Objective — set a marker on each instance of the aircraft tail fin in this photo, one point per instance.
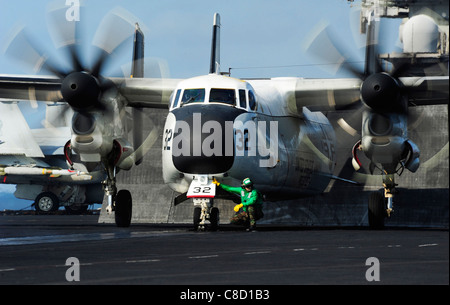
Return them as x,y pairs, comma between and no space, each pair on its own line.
137,71
137,68
215,46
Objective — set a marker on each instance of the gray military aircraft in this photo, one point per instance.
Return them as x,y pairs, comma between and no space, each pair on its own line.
219,127
34,160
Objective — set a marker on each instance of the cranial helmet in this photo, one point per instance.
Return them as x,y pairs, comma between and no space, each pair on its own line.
247,182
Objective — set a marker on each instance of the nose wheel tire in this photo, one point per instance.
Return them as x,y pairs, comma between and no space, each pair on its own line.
197,215
214,219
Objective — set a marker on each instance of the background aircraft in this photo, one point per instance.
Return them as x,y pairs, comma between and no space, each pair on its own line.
34,160
137,85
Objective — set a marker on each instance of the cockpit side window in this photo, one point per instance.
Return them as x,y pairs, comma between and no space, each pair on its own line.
242,99
226,96
193,96
251,100
177,98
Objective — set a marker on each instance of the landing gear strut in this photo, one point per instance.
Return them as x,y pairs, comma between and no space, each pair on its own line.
204,212
381,205
119,202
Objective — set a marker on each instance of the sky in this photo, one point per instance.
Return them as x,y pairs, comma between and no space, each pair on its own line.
254,33
259,38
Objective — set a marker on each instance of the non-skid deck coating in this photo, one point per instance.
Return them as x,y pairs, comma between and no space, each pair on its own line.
34,250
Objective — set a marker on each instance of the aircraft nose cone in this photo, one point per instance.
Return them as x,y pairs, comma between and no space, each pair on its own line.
203,139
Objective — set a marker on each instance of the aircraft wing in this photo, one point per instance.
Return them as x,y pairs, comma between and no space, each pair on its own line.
16,137
146,92
339,93
427,90
327,93
30,88
137,92
343,93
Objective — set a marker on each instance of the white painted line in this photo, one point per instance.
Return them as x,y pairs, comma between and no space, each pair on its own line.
428,245
29,240
203,256
303,249
143,261
258,252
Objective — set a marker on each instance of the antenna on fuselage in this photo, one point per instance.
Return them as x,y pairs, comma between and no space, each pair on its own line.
215,46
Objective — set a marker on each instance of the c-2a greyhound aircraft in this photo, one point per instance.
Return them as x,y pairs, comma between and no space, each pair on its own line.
228,129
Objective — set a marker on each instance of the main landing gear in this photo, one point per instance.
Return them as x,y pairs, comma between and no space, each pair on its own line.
46,202
381,205
120,202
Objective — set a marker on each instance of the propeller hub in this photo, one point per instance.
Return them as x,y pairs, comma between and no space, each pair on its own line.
81,90
380,91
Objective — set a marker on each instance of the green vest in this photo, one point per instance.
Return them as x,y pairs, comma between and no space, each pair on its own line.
247,198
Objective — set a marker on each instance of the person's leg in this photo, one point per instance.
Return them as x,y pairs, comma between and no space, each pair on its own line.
239,218
252,216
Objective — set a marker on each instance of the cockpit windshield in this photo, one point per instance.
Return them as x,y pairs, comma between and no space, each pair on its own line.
214,89
239,97
226,96
193,96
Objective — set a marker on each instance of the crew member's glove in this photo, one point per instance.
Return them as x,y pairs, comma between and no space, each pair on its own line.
237,207
215,182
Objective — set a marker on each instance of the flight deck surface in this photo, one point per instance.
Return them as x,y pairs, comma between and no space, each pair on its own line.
34,250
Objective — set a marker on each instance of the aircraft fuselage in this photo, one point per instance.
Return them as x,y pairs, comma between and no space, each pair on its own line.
228,129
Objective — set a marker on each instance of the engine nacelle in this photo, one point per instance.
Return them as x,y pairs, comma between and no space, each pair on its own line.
123,153
89,138
383,137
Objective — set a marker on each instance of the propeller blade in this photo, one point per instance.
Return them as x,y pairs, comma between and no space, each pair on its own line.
372,63
22,48
65,34
151,138
115,29
322,44
138,136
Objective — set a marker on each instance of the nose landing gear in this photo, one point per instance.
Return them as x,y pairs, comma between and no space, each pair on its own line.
205,213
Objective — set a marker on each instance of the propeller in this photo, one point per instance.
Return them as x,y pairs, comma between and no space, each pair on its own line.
83,85
380,89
